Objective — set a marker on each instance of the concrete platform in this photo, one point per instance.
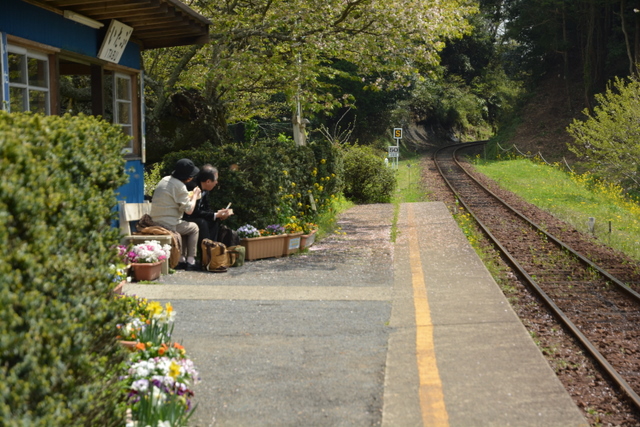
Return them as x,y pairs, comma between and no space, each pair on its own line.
489,371
361,332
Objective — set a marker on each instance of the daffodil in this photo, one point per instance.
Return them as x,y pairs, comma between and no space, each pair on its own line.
174,370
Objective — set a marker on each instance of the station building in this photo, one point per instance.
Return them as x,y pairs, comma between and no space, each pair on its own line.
84,56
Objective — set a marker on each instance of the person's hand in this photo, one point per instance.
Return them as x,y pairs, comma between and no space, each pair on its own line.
197,194
223,214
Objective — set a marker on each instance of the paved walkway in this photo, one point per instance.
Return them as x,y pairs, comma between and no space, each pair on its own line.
328,338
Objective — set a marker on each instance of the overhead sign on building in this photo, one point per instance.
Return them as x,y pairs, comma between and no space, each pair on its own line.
115,41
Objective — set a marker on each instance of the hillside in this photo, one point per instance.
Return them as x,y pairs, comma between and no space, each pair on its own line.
544,117
539,126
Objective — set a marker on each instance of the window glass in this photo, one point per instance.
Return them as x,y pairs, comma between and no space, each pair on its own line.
28,81
16,68
38,102
17,99
38,73
123,88
124,113
123,109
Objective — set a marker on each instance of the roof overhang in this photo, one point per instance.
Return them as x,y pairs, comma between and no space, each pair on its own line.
156,23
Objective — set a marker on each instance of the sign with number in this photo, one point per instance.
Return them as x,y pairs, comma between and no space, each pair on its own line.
115,41
397,133
394,151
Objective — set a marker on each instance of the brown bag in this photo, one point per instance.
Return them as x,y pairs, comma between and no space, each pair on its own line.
215,256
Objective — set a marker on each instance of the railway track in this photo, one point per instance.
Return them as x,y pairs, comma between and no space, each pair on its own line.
598,309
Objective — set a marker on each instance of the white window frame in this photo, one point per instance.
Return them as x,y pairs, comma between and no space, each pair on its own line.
47,89
127,128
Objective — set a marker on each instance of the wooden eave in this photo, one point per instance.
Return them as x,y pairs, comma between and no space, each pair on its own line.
156,23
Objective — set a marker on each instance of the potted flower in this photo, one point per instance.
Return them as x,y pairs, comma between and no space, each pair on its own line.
294,233
272,230
247,232
258,245
146,259
308,237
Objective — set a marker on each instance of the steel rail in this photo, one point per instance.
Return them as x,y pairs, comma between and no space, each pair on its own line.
564,319
633,294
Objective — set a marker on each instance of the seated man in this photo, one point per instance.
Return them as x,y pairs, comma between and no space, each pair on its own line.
171,200
207,220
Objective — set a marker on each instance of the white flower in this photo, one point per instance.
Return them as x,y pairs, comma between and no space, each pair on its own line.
140,385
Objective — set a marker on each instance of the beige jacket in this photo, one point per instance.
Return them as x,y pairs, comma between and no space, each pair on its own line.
170,201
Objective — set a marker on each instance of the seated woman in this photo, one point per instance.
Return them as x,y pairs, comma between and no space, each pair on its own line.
171,200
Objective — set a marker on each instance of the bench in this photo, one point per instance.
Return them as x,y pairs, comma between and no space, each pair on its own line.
132,212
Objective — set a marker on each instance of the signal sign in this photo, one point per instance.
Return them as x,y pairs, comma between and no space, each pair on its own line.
397,133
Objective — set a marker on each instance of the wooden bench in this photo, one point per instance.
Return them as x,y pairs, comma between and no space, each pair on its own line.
132,212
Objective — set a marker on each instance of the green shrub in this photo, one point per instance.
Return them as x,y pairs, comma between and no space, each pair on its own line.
607,140
367,178
270,180
59,359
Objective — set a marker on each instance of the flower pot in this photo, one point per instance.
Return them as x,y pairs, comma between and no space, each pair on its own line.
306,240
118,289
147,271
263,247
291,243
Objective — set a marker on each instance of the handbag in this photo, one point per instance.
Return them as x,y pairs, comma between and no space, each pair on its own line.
215,256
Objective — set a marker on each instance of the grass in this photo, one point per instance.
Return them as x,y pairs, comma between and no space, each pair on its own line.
408,187
572,198
327,221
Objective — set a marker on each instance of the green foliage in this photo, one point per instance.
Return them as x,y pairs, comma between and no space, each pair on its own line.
270,180
58,355
608,140
152,177
367,178
573,198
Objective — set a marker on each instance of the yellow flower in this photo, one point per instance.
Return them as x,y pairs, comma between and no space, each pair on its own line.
154,307
174,370
293,184
285,173
323,161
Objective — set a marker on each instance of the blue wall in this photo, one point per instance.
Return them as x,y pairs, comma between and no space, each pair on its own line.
133,191
49,28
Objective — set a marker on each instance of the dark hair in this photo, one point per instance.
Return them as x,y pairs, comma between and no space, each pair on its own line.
207,172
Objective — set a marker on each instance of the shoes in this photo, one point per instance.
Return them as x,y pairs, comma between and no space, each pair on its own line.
181,266
192,267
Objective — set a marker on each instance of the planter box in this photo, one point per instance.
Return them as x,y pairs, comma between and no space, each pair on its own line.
119,288
291,243
263,247
306,240
147,271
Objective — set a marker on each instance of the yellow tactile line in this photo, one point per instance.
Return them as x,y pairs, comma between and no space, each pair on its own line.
434,411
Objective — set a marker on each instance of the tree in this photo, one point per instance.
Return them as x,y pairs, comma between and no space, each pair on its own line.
261,48
608,138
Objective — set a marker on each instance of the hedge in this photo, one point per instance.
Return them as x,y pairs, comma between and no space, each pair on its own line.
270,180
367,178
58,355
